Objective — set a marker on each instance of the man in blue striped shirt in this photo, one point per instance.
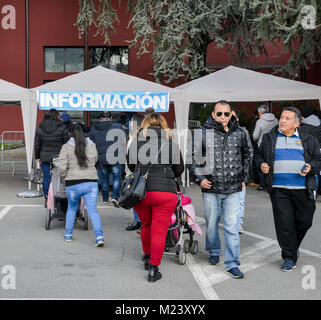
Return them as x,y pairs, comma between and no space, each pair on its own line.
290,158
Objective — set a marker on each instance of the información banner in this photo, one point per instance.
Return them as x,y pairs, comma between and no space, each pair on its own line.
100,101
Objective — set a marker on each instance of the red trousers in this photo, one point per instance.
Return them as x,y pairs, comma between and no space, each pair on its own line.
154,213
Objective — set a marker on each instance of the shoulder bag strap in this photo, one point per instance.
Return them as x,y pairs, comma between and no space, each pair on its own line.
146,174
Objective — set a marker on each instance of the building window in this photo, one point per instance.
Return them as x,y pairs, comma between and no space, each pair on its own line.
64,59
115,58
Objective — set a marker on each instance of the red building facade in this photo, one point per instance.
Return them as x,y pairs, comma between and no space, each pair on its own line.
49,28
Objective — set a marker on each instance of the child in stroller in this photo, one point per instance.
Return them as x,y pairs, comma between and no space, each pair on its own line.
57,202
182,222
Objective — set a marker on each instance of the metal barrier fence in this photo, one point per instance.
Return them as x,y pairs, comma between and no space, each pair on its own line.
13,149
194,124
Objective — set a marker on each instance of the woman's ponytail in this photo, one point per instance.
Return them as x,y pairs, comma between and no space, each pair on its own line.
79,134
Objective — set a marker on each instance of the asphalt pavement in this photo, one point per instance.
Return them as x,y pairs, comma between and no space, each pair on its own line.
46,267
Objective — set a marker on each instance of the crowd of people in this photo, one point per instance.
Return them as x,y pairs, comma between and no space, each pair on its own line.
285,154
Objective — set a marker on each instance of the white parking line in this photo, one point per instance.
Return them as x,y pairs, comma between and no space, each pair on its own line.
4,211
257,236
21,205
41,206
201,279
265,252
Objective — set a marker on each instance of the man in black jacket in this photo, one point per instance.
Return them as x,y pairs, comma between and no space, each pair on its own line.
290,158
110,140
222,175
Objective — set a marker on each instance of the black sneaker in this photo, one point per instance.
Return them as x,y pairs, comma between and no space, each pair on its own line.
153,273
146,259
134,226
214,260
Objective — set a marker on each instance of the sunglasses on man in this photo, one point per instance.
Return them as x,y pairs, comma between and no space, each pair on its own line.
226,114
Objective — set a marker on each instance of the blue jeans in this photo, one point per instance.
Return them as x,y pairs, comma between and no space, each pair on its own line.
242,203
46,177
136,217
89,192
227,205
103,174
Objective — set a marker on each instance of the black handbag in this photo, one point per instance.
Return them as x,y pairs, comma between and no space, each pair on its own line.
133,188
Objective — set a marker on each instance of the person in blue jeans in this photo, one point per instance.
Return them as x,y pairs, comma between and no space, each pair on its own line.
227,206
104,170
220,165
76,164
110,138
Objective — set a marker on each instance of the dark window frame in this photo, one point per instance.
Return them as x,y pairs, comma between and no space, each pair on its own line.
62,47
109,55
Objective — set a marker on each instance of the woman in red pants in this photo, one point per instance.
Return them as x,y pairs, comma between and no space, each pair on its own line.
155,150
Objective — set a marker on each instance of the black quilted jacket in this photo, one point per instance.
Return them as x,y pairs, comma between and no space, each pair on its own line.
50,136
165,169
222,157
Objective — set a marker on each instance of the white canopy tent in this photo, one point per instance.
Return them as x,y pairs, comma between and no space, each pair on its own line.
11,92
237,84
100,79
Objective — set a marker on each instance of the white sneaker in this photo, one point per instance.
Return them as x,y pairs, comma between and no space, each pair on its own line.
68,237
241,230
99,242
115,203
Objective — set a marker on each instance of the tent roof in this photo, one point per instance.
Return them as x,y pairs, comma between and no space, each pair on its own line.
101,79
238,84
12,92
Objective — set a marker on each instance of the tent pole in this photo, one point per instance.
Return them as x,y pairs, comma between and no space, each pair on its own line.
86,67
27,43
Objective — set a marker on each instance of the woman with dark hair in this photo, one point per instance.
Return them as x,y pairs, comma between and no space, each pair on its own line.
76,164
50,136
156,150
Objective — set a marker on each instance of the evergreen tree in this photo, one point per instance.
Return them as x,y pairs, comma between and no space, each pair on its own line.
178,32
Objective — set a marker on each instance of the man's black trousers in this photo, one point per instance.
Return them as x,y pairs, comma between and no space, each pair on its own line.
293,214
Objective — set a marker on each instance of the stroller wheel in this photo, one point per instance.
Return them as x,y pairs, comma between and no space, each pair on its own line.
182,256
47,218
194,248
186,246
85,220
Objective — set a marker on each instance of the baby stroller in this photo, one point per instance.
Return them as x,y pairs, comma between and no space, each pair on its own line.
178,227
57,202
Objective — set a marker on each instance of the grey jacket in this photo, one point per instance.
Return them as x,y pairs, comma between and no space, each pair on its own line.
312,120
264,125
67,163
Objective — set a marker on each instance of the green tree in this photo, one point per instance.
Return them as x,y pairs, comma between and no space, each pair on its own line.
102,17
178,32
